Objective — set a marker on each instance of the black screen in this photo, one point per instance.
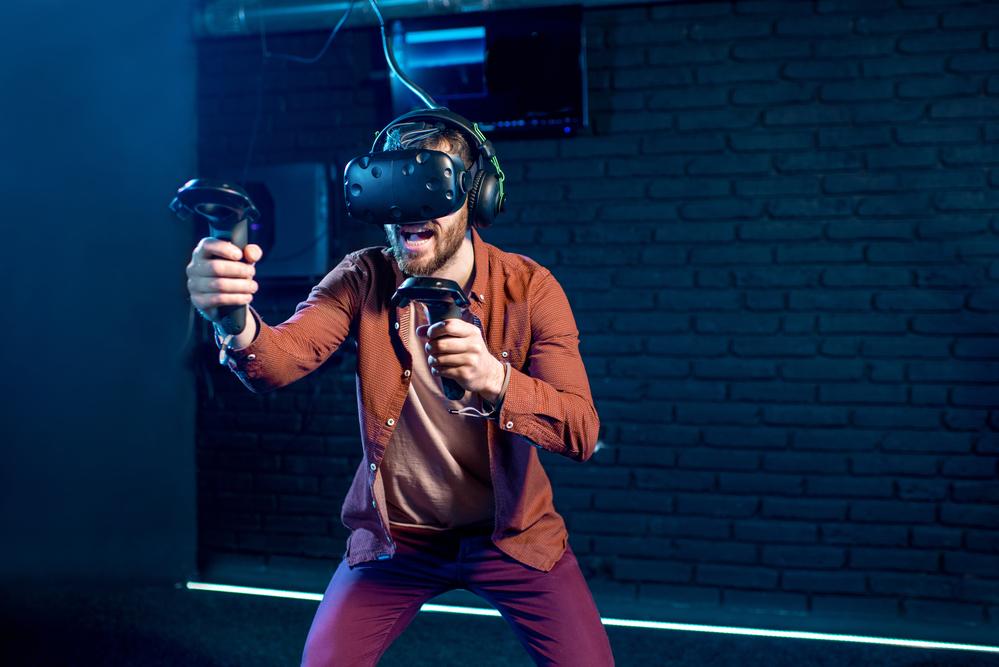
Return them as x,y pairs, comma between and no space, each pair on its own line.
516,72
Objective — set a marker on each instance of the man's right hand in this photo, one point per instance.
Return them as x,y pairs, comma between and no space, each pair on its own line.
220,274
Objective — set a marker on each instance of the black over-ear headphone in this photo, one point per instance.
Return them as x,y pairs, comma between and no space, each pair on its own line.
486,193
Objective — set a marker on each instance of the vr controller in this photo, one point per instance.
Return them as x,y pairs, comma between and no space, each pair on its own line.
444,300
228,212
381,187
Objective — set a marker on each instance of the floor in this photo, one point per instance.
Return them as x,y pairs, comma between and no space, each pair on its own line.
150,625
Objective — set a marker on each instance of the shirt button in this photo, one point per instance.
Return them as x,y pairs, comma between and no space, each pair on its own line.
407,373
397,326
391,422
373,466
482,297
508,425
374,504
504,354
251,357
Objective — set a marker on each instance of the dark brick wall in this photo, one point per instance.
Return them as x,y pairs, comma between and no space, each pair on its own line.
780,242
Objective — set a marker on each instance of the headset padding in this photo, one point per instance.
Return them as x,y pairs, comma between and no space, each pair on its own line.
487,199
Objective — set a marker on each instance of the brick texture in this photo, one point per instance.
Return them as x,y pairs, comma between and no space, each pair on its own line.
781,239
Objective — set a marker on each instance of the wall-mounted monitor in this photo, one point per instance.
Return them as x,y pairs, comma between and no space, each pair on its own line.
516,73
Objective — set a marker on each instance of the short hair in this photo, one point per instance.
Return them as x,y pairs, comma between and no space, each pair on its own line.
424,135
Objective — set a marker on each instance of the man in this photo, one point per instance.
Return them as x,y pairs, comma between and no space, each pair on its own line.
450,493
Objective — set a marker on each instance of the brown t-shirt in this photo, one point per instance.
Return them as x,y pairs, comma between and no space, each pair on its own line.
436,465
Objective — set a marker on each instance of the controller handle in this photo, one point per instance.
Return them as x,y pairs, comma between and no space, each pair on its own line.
228,212
438,311
444,300
232,319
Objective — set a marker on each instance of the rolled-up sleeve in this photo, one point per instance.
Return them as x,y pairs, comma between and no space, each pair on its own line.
551,404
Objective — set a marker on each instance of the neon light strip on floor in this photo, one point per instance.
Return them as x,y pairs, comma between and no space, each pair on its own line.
626,623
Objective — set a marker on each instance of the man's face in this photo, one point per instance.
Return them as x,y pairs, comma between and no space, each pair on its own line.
423,248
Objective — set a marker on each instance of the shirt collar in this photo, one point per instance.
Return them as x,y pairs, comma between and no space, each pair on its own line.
480,269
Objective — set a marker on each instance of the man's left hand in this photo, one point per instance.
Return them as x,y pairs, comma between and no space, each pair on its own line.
456,351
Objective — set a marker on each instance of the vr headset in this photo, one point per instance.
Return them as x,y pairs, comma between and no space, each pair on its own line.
415,184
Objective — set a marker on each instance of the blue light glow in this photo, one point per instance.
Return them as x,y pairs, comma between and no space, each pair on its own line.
448,35
627,623
444,48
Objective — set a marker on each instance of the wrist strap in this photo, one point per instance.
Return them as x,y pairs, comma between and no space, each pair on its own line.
222,339
469,411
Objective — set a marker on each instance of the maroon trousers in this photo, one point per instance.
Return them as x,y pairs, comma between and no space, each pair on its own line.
366,607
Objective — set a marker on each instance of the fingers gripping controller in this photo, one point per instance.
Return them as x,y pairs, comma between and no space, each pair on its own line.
444,300
228,212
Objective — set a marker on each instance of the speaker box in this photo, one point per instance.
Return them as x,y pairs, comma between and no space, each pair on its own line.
294,224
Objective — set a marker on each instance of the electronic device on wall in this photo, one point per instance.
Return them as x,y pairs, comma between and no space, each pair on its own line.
294,229
516,73
519,72
290,218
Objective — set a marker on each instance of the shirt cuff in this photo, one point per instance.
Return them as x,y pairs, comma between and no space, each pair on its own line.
489,411
228,356
495,410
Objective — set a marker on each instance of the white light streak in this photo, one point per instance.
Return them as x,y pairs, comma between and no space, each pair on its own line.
628,623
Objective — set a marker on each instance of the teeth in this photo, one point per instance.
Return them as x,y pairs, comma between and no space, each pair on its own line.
412,230
410,233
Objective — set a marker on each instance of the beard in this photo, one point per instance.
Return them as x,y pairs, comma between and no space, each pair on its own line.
446,242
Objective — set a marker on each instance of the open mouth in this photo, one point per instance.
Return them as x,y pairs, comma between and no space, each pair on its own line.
415,237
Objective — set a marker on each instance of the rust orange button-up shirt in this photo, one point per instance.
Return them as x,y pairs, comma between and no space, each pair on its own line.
525,319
